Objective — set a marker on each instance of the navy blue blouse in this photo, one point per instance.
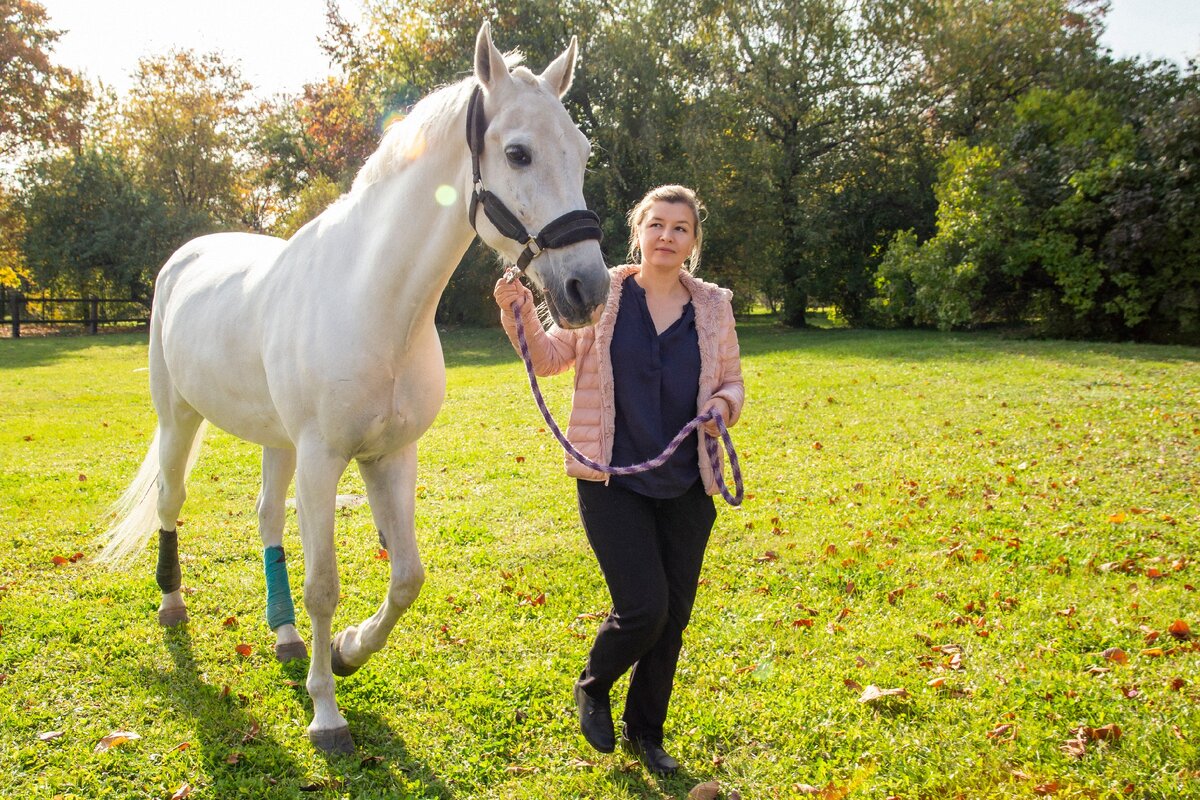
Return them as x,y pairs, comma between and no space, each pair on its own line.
655,381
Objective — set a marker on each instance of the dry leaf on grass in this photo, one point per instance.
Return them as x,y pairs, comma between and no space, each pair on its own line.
183,791
1116,654
114,739
873,694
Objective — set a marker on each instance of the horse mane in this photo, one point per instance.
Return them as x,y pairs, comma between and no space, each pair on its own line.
430,120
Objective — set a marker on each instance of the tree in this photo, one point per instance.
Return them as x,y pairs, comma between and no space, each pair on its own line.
184,124
13,272
36,96
90,228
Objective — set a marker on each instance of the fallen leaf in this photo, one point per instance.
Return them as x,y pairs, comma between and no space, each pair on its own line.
253,732
520,459
1105,733
382,554
1000,730
233,757
1116,654
805,788
180,747
1076,748
230,622
114,739
705,791
1046,788
802,623
853,684
1117,518
244,649
1180,630
49,736
873,694
182,792
1154,652
936,683
371,761
60,560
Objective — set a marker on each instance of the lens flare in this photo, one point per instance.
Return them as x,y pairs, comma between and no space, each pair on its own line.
446,195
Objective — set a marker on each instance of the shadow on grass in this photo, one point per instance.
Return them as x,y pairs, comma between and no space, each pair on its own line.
761,334
224,726
40,351
637,781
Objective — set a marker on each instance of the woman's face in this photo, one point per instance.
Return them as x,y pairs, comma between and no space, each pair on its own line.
667,234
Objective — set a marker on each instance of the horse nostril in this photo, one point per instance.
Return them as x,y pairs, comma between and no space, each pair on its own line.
574,292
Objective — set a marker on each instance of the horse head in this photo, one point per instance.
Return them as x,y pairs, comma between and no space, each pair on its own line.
531,157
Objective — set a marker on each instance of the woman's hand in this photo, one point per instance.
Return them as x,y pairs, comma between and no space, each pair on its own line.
723,409
507,293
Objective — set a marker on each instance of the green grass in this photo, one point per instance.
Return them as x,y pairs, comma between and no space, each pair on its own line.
1027,505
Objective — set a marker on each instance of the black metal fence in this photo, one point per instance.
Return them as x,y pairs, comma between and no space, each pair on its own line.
90,312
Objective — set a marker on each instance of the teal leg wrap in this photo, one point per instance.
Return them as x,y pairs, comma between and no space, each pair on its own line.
280,610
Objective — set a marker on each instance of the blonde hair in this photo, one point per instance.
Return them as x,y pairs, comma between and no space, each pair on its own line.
671,193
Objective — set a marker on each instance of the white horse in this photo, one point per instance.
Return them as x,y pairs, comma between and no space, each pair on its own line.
322,348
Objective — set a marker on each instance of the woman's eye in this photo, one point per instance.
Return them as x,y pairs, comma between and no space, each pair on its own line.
518,155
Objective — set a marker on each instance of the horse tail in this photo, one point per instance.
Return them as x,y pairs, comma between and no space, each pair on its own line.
135,514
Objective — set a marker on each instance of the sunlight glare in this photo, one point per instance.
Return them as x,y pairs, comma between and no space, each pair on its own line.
446,195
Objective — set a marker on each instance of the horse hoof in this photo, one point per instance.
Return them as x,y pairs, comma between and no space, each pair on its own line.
170,617
337,740
336,664
290,652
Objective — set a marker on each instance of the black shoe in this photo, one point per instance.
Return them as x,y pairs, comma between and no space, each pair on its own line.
595,720
651,754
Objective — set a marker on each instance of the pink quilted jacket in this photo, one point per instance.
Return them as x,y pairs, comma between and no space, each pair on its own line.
593,409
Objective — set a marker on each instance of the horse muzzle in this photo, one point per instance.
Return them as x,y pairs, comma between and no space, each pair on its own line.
574,281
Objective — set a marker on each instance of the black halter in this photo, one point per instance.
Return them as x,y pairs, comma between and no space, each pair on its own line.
571,227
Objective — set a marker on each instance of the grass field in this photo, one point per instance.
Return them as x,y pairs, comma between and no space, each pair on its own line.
976,521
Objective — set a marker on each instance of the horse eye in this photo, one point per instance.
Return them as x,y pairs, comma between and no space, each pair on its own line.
518,155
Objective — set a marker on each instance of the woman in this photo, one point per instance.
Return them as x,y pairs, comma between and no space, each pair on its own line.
664,349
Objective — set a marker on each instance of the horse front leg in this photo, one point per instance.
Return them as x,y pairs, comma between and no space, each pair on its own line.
317,474
278,466
391,489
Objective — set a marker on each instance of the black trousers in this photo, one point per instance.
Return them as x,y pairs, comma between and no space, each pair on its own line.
650,552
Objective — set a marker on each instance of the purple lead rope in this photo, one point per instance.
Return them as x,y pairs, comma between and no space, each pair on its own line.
710,444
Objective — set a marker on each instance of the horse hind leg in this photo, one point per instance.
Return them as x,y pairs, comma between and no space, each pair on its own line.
391,485
178,443
278,466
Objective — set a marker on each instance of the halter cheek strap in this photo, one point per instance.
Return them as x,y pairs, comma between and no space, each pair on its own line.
573,226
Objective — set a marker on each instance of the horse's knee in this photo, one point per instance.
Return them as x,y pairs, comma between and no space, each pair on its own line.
270,518
405,584
321,593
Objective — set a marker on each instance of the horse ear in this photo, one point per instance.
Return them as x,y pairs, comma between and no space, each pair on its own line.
489,62
561,71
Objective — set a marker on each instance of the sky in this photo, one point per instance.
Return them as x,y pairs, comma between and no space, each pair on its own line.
275,41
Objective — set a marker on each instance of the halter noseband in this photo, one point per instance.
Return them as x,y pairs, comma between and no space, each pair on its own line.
571,227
